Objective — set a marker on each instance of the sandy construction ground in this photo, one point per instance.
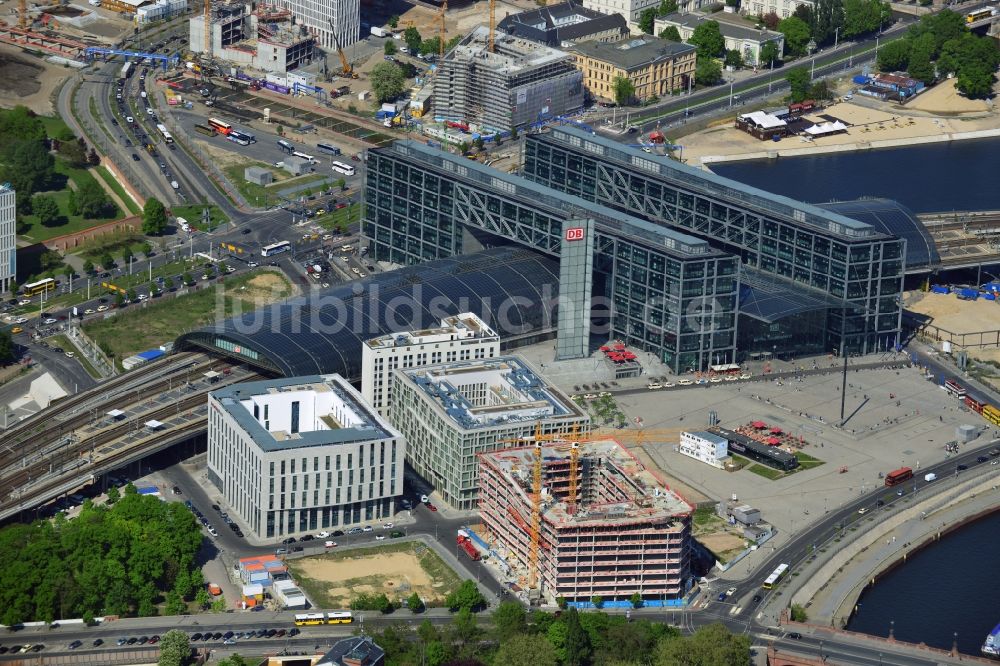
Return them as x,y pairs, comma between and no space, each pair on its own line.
952,314
27,80
398,574
869,120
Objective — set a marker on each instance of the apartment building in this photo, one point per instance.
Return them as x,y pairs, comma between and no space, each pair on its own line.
463,337
451,412
295,455
608,527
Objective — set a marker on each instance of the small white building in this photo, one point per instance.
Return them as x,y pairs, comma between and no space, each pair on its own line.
297,455
707,447
464,337
288,594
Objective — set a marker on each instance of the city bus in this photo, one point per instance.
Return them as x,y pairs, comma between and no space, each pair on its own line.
166,135
339,617
220,126
340,167
40,287
954,388
978,14
238,138
244,136
327,148
307,158
308,619
896,477
204,129
286,146
275,248
775,576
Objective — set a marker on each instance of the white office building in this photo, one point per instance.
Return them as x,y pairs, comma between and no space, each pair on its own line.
464,337
707,447
297,455
630,9
8,236
322,17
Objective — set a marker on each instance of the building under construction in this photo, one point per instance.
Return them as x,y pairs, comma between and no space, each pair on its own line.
262,37
515,83
585,519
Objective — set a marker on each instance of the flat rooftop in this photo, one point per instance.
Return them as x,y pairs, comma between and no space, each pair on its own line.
490,393
330,411
510,54
649,497
459,327
795,212
556,203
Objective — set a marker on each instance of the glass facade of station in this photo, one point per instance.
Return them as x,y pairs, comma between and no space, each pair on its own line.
660,290
854,271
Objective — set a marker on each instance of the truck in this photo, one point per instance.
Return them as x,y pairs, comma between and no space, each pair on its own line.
379,32
465,543
930,477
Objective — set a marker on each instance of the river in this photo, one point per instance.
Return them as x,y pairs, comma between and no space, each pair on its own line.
958,175
950,586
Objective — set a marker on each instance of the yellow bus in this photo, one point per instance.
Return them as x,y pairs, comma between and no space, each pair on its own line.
40,287
339,617
308,619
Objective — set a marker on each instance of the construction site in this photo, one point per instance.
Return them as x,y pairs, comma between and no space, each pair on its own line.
495,82
582,518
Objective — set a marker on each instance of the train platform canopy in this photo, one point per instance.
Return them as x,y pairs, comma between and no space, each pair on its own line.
512,289
153,424
115,414
891,217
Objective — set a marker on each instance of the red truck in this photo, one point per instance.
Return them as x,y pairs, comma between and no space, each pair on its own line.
466,544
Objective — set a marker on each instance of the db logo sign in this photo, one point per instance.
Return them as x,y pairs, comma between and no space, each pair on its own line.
574,234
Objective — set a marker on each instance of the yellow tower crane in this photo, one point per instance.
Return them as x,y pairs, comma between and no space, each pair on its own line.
22,14
493,21
536,518
442,31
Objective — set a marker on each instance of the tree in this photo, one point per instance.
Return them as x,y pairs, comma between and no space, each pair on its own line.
21,123
799,613
920,66
513,134
279,130
768,54
236,660
127,256
119,299
219,605
393,21
820,90
186,279
93,159
636,600
975,82
709,40
734,59
46,210
154,217
478,143
707,72
131,295
389,47
6,346
597,600
671,33
88,266
387,81
430,46
415,603
412,38
526,650
33,162
113,494
464,629
74,152
709,646
827,16
798,83
771,19
667,7
175,604
576,649
146,248
175,648
623,89
93,202
466,595
646,20
944,26
861,16
463,147
509,619
796,34
894,56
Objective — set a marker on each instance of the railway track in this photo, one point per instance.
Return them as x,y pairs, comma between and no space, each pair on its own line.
45,432
29,485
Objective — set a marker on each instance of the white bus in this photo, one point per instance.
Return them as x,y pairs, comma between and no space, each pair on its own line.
340,167
166,135
308,158
775,576
275,248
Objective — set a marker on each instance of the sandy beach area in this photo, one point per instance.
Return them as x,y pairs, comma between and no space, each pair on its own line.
940,113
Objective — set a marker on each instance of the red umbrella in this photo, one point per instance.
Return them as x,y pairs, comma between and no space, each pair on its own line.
775,431
605,348
619,346
773,441
759,425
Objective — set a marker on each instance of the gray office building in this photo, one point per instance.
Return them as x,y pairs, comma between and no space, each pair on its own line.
620,277
809,272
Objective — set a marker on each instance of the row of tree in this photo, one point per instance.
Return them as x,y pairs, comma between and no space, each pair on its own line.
941,44
122,559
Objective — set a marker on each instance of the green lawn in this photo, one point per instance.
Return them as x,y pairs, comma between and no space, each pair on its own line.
340,219
137,327
64,342
53,125
766,472
268,194
106,176
193,214
100,120
67,223
806,461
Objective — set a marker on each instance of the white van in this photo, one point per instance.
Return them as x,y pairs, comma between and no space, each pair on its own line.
183,224
174,184
930,477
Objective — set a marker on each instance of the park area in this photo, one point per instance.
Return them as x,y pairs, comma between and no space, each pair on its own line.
136,328
398,570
